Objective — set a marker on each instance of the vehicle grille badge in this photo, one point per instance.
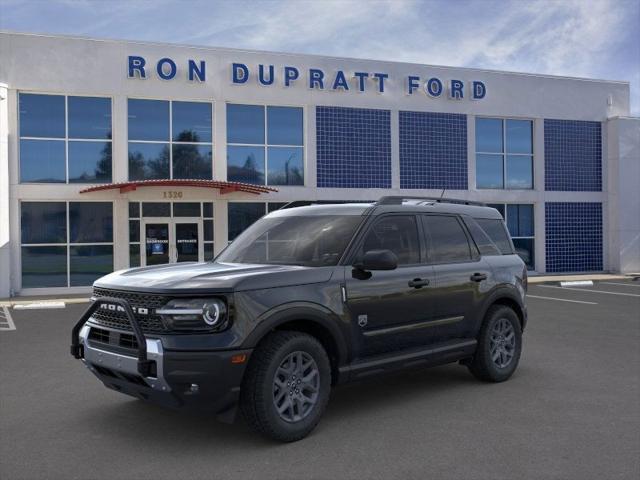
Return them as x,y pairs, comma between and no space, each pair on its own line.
362,320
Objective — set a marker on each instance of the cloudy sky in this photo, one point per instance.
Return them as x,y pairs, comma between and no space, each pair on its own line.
583,38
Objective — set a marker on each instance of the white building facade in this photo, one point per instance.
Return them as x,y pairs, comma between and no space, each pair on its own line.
116,154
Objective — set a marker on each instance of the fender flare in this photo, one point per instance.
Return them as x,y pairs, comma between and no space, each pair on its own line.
504,291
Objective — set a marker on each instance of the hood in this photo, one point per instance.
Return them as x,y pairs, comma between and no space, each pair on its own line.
208,277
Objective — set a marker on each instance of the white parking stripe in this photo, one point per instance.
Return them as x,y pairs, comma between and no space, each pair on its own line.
622,284
6,322
590,290
561,299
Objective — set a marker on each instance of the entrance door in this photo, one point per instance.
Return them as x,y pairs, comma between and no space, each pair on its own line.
156,242
188,243
170,240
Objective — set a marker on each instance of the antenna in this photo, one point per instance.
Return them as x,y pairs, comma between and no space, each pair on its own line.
441,195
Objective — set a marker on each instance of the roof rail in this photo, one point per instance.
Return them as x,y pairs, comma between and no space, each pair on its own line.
305,203
397,200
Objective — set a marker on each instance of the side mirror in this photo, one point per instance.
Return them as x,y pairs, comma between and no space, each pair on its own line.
378,260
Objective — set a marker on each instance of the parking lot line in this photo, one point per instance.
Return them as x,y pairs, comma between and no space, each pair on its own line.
6,322
622,284
590,290
561,299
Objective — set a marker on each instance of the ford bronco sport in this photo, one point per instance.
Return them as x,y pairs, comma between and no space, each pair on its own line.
310,297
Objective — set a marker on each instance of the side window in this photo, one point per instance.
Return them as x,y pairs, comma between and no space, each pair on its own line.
496,231
484,243
398,234
448,241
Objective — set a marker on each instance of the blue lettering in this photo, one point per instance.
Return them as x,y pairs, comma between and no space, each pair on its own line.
290,74
412,84
316,77
433,87
479,90
261,79
161,71
340,81
380,77
362,77
136,64
196,72
237,76
455,90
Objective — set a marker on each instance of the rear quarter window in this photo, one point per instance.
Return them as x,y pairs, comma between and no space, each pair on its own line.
497,232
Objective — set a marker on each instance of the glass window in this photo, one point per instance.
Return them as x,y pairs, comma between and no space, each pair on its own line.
489,171
134,210
148,161
242,215
207,209
88,263
208,252
89,162
192,161
208,230
499,207
42,115
191,122
90,222
148,120
284,126
245,124
190,209
447,240
497,233
520,220
489,135
245,164
398,233
285,166
44,267
89,117
519,136
134,255
134,230
156,209
44,222
481,239
519,172
42,161
524,248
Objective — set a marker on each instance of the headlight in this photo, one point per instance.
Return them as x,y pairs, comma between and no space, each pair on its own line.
205,314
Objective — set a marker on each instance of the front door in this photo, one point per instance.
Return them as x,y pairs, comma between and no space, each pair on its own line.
170,240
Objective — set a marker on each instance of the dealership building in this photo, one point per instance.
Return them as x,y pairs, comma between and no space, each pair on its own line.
115,154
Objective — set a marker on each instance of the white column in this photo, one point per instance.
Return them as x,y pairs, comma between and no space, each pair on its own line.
5,243
538,185
220,225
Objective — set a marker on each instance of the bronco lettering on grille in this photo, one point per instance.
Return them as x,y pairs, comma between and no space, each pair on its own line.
118,308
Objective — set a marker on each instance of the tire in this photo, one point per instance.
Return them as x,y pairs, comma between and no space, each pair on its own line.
271,382
499,345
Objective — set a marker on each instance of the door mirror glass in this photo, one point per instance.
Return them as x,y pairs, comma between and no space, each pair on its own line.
378,260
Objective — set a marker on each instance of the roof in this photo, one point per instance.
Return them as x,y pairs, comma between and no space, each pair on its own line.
223,187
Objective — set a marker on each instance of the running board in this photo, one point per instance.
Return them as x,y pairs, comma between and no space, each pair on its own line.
436,355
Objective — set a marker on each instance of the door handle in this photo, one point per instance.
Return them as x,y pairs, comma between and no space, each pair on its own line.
419,282
478,277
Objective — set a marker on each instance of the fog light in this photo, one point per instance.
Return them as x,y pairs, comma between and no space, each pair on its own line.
194,388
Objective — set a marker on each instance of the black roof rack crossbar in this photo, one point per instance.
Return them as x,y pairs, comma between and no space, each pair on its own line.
305,203
397,200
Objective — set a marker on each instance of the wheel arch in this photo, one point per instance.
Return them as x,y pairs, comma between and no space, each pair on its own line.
509,298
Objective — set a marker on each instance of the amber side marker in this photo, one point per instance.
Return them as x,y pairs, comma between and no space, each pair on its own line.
241,358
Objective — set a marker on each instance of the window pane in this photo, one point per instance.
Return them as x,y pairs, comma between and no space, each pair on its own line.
520,220
284,126
134,255
207,210
44,267
398,234
489,171
208,230
482,240
245,124
90,222
41,115
148,120
489,135
497,206
186,209
208,252
524,248
447,240
89,117
44,222
519,171
191,121
285,166
89,162
156,209
245,164
148,161
497,233
88,263
134,230
242,215
134,210
42,161
192,161
519,136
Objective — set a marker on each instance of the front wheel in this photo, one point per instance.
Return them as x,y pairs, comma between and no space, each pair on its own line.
499,345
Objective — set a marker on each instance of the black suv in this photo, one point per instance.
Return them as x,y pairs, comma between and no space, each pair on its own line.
307,298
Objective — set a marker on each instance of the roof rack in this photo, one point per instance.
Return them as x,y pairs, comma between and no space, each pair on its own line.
305,203
397,200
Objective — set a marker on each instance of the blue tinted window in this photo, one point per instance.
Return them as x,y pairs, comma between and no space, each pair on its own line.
520,220
208,230
489,171
245,124
207,210
191,122
497,206
245,164
284,126
43,222
192,161
90,222
89,117
285,166
525,249
148,161
242,215
44,267
134,230
89,162
42,161
90,262
41,115
489,135
148,120
519,136
134,255
519,171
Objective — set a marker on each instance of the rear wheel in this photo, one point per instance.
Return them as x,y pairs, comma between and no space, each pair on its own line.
499,345
287,385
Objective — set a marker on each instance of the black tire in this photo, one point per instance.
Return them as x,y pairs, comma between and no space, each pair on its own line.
258,393
484,365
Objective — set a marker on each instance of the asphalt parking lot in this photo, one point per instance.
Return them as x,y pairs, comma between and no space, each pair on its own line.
572,411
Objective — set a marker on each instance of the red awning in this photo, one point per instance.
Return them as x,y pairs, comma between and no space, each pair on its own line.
224,187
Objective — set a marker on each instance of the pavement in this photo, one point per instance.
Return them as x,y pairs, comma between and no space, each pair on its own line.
571,411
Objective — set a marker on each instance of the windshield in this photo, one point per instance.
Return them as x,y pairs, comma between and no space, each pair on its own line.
312,241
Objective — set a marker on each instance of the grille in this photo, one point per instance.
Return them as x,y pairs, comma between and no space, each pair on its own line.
114,319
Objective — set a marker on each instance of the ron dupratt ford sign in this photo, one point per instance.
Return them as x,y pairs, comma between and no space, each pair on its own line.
314,78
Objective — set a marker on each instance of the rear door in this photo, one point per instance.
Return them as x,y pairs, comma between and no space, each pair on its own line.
461,275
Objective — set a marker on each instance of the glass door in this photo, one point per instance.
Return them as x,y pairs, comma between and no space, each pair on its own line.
157,242
171,240
188,240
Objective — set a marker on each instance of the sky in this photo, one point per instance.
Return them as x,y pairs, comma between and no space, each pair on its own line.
579,38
